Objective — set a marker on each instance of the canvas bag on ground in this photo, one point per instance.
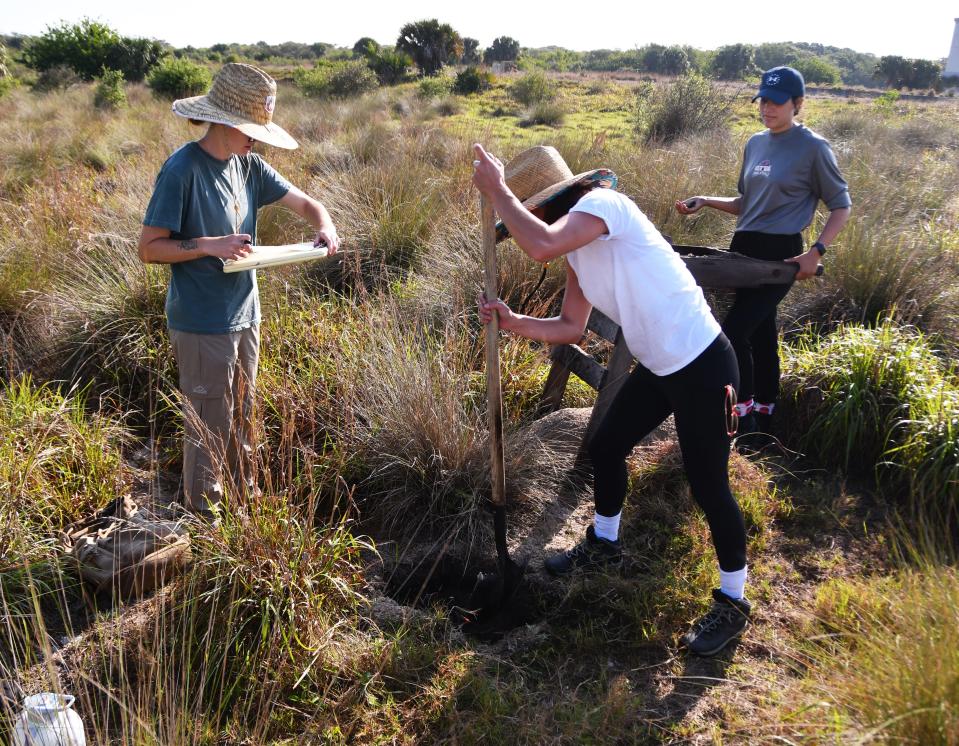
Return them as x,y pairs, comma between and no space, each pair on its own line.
127,551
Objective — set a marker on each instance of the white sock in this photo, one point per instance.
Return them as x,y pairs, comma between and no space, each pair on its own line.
607,527
744,407
733,584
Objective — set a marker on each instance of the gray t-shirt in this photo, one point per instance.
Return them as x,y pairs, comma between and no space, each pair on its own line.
783,177
194,197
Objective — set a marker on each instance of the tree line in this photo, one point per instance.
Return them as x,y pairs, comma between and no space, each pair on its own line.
425,47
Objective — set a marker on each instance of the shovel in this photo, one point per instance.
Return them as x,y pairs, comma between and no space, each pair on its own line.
495,593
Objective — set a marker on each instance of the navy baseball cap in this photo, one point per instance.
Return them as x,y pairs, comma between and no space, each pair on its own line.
781,84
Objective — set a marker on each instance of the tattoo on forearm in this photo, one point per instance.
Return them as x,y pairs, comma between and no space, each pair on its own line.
187,245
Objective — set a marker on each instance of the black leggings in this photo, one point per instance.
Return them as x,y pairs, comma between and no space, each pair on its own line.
750,324
696,396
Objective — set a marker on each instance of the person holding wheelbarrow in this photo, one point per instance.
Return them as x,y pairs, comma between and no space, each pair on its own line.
786,170
203,212
617,261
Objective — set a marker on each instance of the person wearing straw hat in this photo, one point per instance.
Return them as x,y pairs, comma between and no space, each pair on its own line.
786,170
203,211
618,262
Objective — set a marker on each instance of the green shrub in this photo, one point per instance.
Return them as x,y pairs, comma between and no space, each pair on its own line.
532,88
351,78
435,87
109,93
7,84
391,66
816,70
473,80
886,102
179,78
690,105
88,47
336,80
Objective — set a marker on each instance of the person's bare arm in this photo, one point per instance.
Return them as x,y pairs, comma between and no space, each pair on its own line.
156,246
809,262
315,214
692,205
567,328
538,240
834,223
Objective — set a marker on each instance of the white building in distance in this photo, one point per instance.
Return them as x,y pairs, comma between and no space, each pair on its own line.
952,64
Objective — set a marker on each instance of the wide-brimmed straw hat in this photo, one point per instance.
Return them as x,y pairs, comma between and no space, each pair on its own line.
539,175
242,97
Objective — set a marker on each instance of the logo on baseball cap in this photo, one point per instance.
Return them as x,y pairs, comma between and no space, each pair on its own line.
781,84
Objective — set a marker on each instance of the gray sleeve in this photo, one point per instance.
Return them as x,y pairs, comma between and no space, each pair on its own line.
828,183
741,184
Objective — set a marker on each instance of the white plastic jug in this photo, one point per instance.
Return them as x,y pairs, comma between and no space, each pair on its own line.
47,720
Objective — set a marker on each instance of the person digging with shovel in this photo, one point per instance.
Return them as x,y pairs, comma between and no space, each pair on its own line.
618,262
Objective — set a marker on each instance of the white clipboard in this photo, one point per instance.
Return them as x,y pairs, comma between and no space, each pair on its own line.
275,256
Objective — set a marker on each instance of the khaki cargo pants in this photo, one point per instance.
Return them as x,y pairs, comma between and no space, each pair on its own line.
217,378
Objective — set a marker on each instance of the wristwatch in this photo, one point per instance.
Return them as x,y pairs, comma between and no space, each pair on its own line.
820,247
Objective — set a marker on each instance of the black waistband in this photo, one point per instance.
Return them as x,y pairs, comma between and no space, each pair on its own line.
769,246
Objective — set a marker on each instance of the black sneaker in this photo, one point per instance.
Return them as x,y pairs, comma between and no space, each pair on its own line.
722,624
764,423
747,424
752,435
591,553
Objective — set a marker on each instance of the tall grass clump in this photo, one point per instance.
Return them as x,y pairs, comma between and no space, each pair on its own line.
548,113
690,105
302,404
421,442
57,464
111,330
884,657
253,640
259,611
879,400
179,78
387,398
392,205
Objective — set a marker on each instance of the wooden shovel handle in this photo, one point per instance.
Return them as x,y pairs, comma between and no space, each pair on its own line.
494,393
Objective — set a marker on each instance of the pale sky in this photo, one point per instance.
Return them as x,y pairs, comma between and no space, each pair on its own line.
920,28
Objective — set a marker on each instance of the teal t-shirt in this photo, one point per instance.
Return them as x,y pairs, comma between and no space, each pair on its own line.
195,196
